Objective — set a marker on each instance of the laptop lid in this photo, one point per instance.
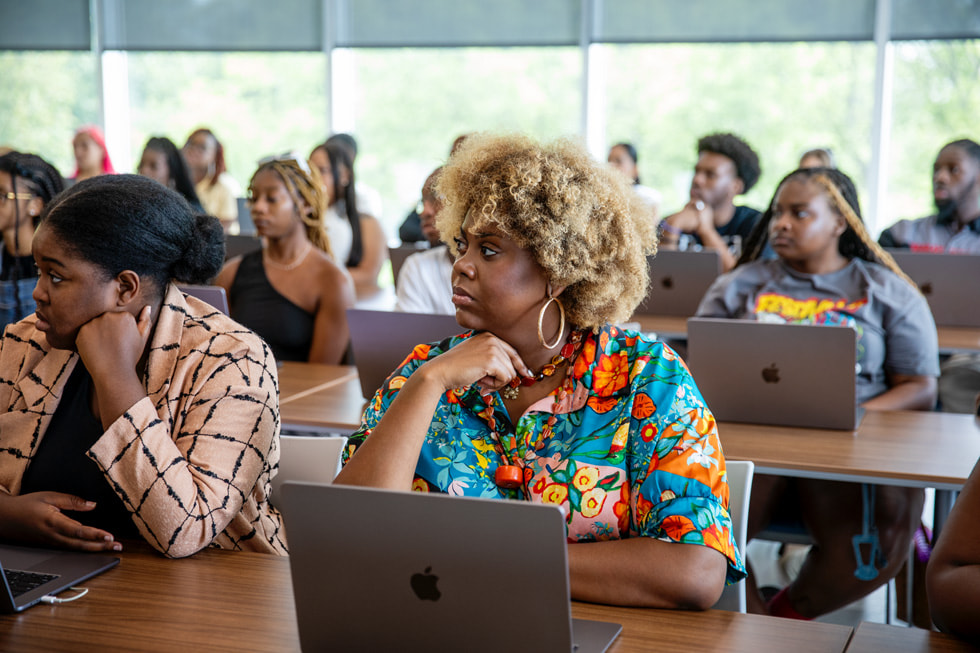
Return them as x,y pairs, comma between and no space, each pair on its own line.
380,340
407,571
950,283
678,281
213,295
66,568
783,374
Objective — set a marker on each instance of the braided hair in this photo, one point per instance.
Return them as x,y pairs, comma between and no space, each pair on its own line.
855,242
302,185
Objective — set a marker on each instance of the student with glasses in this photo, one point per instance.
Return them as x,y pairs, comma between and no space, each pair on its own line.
291,292
27,184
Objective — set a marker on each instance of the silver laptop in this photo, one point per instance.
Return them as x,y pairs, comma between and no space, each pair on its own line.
30,574
783,374
950,283
213,295
678,281
381,340
376,570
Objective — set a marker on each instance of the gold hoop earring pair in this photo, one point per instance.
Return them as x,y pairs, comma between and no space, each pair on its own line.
561,325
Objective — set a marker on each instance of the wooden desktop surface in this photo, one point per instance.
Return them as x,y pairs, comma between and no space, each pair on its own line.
875,638
297,380
915,449
951,339
229,601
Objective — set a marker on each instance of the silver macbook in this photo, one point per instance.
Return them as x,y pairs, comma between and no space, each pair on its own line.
783,374
30,574
381,340
678,281
376,570
950,283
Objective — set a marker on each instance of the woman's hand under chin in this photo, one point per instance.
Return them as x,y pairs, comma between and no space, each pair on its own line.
113,342
484,360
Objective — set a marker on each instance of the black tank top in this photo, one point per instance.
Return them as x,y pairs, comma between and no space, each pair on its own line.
287,328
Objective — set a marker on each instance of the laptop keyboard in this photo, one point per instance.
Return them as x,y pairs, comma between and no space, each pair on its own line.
22,582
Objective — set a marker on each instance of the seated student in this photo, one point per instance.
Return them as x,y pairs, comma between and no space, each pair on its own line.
27,184
361,242
217,190
410,230
955,228
953,573
91,155
542,399
162,161
290,292
830,271
425,281
624,158
368,198
727,167
128,410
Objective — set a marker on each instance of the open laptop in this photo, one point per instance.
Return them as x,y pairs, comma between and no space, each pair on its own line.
376,570
30,574
678,281
380,340
213,295
950,283
783,374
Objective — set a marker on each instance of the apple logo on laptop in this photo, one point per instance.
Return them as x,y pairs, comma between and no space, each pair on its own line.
926,288
667,282
770,374
425,585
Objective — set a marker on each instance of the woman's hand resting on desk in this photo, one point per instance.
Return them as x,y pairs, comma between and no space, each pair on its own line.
39,518
484,360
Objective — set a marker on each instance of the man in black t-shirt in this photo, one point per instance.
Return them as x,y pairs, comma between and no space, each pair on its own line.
727,167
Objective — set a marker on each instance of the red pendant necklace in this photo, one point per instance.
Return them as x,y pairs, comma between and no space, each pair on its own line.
510,474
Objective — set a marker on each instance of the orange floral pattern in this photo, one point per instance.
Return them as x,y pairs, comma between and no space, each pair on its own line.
635,455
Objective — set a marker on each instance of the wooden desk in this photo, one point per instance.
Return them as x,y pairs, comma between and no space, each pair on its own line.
219,600
334,408
874,638
951,339
297,380
908,448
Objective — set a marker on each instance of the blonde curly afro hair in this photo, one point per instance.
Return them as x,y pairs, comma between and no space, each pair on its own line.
580,220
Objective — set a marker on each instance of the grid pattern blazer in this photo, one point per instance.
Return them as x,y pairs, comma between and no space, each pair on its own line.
193,460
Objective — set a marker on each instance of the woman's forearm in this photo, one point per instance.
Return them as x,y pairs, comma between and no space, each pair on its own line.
387,459
645,572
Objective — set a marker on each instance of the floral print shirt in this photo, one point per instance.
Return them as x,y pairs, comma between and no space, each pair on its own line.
633,451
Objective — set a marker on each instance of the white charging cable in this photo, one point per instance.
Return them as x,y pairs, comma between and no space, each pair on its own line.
82,591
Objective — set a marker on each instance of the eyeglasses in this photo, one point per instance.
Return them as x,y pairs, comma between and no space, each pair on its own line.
289,157
10,195
435,201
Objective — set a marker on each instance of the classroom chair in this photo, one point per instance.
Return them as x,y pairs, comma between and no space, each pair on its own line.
740,474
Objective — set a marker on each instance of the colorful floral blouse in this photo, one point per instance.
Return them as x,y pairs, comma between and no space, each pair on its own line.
633,451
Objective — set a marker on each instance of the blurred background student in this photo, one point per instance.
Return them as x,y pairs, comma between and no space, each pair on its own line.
91,156
163,162
217,190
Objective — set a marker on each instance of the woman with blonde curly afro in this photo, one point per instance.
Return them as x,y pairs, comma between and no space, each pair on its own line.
542,398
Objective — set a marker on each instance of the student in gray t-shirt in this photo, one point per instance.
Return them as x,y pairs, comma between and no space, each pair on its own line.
830,271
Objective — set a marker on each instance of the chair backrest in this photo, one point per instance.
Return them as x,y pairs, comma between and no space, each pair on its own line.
399,254
740,474
310,459
214,295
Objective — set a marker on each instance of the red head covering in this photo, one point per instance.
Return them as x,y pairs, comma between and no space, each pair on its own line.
96,135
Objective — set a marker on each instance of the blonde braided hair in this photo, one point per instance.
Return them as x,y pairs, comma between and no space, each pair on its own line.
302,185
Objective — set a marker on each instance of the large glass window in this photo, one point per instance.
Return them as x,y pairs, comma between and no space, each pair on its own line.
936,91
256,103
783,98
46,97
410,104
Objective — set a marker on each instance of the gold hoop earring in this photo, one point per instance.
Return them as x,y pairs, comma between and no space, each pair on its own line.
561,325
